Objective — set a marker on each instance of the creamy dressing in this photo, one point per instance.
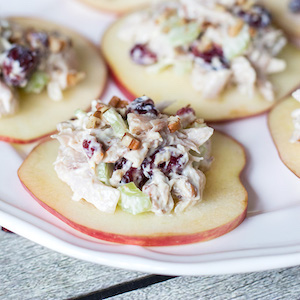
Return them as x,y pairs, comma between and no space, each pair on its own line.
167,164
212,41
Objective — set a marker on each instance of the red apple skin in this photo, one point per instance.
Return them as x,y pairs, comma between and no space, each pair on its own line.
147,241
13,140
152,241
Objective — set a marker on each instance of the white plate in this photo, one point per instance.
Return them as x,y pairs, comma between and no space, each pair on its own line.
268,238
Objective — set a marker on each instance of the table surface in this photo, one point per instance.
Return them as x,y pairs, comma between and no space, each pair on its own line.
30,271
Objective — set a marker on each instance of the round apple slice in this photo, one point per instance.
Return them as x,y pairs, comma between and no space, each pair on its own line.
281,128
117,6
223,208
167,85
38,114
285,18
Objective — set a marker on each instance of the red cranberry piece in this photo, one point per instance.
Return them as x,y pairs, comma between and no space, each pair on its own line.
256,17
25,60
174,165
185,110
90,146
207,56
294,6
120,163
135,175
142,55
141,106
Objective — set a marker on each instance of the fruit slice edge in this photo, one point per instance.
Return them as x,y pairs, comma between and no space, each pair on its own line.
223,208
117,6
167,85
281,129
38,115
288,21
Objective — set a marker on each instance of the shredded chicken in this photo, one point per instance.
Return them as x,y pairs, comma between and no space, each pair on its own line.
166,167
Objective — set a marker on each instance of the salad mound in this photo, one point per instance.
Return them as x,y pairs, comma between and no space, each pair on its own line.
284,124
141,175
134,156
218,42
33,76
33,60
224,57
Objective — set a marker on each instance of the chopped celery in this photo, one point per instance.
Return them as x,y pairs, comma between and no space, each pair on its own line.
116,122
133,200
185,34
104,171
37,82
79,113
235,46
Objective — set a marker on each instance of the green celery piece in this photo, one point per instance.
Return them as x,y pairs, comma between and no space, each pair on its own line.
133,200
116,122
184,34
37,82
236,46
104,171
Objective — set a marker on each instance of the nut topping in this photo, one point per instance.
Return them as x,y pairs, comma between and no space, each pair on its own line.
130,141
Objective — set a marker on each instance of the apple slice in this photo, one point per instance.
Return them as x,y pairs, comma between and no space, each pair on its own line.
281,128
288,21
38,114
135,80
118,6
223,208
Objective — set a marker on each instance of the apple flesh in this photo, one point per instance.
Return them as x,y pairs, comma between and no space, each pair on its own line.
38,114
287,20
223,208
167,85
281,128
118,6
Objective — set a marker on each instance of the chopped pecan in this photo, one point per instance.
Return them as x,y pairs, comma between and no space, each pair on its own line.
56,44
235,30
102,108
130,141
74,77
174,123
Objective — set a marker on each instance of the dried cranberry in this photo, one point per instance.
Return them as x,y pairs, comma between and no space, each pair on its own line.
185,110
120,163
142,105
142,55
26,61
174,165
135,175
294,6
90,148
257,16
207,56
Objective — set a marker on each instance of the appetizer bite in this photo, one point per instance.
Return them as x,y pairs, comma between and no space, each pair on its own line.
223,57
284,124
286,13
46,72
128,173
119,6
